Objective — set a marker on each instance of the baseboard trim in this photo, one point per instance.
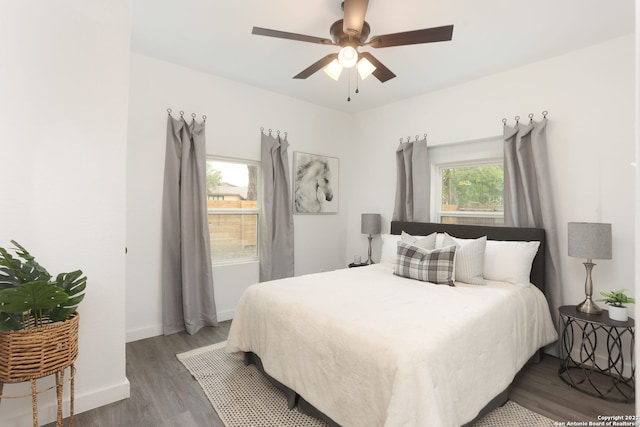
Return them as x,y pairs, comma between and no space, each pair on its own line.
226,315
156,330
142,333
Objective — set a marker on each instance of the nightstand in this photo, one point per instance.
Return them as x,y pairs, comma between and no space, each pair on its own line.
582,335
362,264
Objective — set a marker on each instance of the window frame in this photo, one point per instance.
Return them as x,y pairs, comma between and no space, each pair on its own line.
235,211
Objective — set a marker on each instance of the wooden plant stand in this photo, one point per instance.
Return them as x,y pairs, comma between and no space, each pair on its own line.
33,353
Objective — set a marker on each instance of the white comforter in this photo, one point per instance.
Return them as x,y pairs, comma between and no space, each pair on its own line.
368,348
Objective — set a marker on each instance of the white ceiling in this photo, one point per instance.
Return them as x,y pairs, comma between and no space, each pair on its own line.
489,36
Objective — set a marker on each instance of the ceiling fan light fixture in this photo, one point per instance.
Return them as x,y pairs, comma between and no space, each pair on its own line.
333,70
348,56
365,68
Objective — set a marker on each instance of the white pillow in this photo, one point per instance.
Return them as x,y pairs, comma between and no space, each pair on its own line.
389,251
509,261
424,242
469,258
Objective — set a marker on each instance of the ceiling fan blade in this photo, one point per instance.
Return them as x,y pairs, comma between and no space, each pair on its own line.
382,73
316,66
290,36
354,13
427,35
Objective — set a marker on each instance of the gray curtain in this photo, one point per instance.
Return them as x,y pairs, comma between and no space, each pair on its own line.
187,280
412,182
528,196
276,219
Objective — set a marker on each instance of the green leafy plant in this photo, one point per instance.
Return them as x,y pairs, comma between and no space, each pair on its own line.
30,296
616,298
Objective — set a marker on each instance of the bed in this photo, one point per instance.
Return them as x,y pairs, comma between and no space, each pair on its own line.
369,347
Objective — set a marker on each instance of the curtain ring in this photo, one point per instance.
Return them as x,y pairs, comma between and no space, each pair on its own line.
408,139
269,131
278,132
169,111
261,129
400,140
504,122
544,114
517,119
204,117
425,136
193,115
417,138
285,134
181,113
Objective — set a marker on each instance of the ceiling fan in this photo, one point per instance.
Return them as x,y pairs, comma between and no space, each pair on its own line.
351,33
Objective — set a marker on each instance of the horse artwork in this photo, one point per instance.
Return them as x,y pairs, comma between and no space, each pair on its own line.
316,184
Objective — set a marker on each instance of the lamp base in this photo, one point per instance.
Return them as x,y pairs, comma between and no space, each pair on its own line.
589,307
369,260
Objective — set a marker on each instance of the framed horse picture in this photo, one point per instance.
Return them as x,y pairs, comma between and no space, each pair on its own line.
315,183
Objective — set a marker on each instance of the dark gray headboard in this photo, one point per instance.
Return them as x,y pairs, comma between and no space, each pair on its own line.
492,233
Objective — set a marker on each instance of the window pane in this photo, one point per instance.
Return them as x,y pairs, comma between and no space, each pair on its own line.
232,201
232,185
473,195
233,236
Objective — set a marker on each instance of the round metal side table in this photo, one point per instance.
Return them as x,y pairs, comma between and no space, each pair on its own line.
582,335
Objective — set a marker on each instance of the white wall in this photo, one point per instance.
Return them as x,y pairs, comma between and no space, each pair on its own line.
64,85
235,113
589,96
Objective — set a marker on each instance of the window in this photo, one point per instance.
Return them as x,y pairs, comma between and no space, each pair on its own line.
232,201
467,182
471,193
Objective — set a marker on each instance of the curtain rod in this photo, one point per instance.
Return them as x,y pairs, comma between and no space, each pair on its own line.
278,132
517,118
193,115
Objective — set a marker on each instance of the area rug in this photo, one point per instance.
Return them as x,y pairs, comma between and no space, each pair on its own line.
243,397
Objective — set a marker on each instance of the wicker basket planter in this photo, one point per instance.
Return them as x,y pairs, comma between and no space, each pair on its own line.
38,352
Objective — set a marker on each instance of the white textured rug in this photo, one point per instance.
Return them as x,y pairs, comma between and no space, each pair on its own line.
243,397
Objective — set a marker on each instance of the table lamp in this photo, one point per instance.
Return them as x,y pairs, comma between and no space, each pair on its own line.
370,224
589,240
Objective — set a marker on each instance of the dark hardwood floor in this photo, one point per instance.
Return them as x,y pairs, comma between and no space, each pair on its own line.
164,394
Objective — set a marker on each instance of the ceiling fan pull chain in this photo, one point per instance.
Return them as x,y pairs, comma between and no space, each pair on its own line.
348,85
357,84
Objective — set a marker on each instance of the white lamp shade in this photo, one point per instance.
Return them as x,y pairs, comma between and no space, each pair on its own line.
590,240
333,70
365,68
370,223
348,57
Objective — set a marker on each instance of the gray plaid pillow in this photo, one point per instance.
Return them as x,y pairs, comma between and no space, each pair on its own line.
435,266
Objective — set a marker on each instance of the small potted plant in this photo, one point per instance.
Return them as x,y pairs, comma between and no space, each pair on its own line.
38,317
617,300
